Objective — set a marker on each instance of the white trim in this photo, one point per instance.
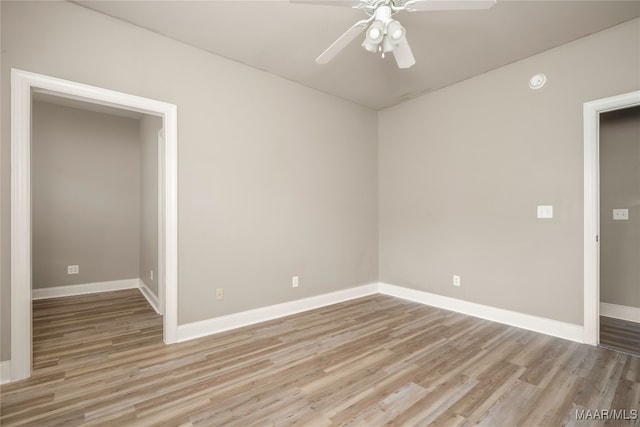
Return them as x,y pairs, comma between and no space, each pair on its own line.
542,325
20,226
161,238
148,294
215,325
5,371
168,261
591,117
22,84
85,288
97,287
224,323
622,312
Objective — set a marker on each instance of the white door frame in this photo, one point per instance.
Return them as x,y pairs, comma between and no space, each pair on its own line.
592,111
22,85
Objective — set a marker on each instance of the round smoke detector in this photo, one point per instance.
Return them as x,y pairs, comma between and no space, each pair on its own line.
537,81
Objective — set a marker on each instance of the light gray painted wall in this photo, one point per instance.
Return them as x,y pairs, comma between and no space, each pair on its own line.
85,196
274,179
620,189
462,170
149,127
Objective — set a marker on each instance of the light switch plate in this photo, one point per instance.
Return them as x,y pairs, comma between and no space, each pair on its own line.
545,211
621,214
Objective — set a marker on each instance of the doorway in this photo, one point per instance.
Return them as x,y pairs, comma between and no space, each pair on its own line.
23,85
619,154
592,231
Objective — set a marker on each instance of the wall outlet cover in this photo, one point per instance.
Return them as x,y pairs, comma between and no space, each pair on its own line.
545,211
621,214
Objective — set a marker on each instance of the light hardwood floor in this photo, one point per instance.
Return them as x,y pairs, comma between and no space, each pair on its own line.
100,360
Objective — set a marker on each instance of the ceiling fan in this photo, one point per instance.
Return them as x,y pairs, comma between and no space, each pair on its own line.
383,33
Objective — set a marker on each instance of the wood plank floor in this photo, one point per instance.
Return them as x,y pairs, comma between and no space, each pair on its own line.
620,334
99,360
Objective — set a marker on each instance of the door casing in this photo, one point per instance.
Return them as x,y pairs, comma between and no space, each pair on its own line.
23,83
591,114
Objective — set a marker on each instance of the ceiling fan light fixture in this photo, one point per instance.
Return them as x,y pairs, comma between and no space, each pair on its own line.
388,45
376,31
395,31
374,36
384,34
395,34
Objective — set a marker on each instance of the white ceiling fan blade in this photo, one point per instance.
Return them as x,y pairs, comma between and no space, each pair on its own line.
426,5
404,55
345,3
342,42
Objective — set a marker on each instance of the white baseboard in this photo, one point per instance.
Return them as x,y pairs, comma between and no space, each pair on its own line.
87,288
542,325
215,325
5,371
224,323
149,295
622,312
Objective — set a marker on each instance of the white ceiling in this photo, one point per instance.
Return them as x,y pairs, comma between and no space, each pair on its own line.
285,38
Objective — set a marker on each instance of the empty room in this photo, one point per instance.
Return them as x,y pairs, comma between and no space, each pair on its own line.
320,213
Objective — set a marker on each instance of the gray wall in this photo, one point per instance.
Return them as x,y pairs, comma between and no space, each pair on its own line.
619,189
462,170
277,180
149,127
274,179
85,196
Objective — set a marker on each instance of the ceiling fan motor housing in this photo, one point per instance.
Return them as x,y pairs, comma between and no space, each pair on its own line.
383,14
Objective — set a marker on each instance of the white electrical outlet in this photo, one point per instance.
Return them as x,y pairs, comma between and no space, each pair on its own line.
545,212
294,282
219,294
151,275
456,280
73,269
621,214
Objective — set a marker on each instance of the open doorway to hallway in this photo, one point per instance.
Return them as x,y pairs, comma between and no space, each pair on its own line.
619,155
94,197
23,85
